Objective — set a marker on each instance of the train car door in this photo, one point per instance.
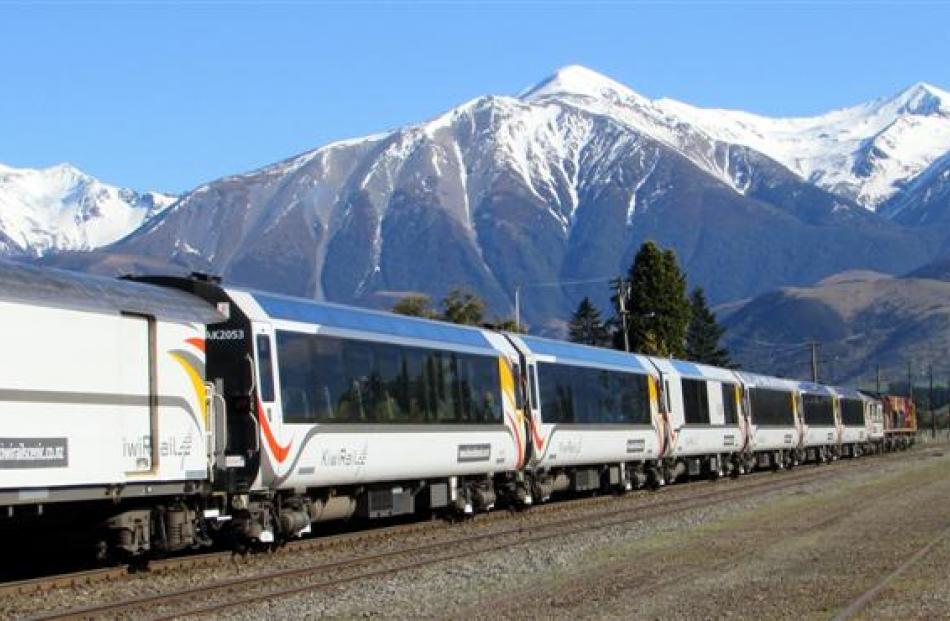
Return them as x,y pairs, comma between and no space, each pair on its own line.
136,353
533,406
268,406
743,390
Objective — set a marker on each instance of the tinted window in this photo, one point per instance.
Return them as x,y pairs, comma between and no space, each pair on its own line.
331,380
771,407
519,386
695,402
818,409
533,387
852,412
584,395
730,407
265,368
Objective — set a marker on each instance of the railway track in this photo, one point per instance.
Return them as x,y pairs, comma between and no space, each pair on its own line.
227,595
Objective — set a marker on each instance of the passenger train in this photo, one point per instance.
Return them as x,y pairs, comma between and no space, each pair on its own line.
155,414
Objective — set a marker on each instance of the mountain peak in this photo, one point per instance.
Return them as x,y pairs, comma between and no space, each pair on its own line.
577,80
922,99
60,207
63,173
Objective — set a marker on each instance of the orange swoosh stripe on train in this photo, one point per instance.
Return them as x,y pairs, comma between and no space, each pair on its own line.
538,440
280,452
198,343
517,440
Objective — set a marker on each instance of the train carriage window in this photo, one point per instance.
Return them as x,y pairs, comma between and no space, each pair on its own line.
332,380
556,398
729,405
533,386
353,405
635,399
385,385
584,395
818,409
416,386
695,401
852,412
265,368
519,396
296,400
771,407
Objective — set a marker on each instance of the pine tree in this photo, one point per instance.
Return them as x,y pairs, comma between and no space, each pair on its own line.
704,333
587,326
657,307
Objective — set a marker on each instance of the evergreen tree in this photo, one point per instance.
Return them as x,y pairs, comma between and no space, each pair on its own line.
461,306
416,306
587,326
704,333
655,300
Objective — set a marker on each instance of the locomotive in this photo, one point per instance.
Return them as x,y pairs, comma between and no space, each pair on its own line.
156,414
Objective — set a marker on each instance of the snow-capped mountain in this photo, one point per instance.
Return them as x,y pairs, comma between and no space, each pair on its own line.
62,208
867,153
560,183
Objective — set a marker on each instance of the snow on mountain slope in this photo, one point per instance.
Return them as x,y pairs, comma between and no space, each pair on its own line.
62,208
590,91
575,120
867,152
562,182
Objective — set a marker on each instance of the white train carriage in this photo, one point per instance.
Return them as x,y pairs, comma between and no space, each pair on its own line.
376,413
102,394
102,390
855,421
707,422
595,421
775,431
821,427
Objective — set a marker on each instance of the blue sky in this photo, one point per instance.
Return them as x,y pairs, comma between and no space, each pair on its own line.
168,95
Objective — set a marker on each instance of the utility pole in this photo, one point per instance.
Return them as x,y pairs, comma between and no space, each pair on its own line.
910,381
878,379
622,290
553,283
814,360
518,308
930,404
